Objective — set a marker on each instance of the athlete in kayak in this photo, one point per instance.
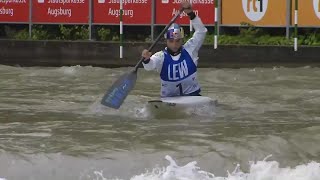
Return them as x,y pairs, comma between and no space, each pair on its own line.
177,63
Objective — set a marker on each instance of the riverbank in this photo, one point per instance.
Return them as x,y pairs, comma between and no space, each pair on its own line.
106,54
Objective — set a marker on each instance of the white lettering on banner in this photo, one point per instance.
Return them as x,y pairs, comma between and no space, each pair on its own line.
128,1
116,12
66,1
60,12
4,11
176,11
196,1
182,68
13,1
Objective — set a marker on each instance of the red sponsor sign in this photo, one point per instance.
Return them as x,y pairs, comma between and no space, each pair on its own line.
134,11
166,9
60,11
14,10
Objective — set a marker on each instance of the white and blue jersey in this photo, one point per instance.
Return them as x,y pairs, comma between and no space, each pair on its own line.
178,78
179,73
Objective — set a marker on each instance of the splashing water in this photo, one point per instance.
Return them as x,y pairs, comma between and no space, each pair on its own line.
260,170
142,111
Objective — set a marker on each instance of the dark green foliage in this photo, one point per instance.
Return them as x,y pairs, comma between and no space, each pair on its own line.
247,35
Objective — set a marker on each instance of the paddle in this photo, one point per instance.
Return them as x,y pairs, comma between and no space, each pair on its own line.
120,89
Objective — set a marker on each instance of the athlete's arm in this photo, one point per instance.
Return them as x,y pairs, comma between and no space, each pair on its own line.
154,62
193,44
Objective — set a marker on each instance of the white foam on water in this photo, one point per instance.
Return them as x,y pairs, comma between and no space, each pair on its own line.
142,112
133,107
259,170
199,112
69,70
34,134
206,110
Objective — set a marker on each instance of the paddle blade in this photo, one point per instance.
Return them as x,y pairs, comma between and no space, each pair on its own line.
120,89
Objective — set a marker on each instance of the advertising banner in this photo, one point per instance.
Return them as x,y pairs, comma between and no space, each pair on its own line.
166,9
308,13
14,11
134,11
255,12
60,11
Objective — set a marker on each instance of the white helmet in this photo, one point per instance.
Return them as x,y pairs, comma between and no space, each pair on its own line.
174,32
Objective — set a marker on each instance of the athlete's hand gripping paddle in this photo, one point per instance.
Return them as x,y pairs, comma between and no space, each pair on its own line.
120,89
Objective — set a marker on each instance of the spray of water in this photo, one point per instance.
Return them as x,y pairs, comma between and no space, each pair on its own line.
260,170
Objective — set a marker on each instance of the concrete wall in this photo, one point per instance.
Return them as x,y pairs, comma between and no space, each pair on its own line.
106,54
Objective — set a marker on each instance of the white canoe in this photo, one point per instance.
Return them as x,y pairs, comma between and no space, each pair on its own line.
180,106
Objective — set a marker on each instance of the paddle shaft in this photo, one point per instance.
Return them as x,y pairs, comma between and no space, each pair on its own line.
158,38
